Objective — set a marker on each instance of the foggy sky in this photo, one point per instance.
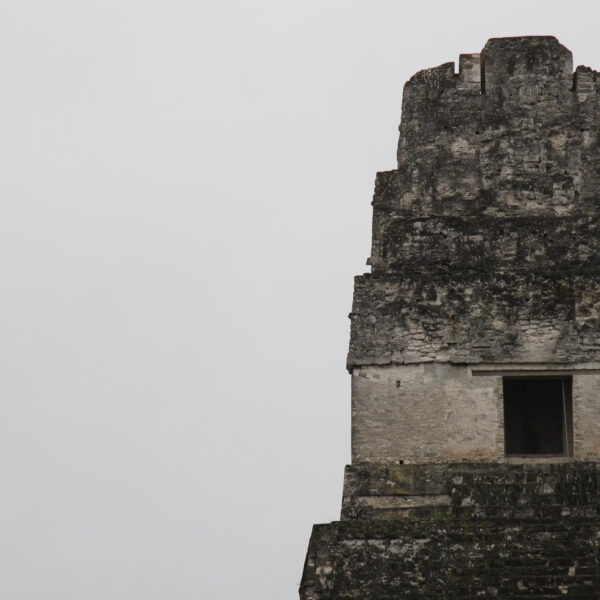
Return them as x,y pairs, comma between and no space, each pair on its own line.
185,199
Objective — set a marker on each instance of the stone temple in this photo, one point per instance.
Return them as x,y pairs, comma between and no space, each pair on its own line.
475,344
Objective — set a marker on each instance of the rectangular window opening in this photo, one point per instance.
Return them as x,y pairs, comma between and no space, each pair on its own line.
538,416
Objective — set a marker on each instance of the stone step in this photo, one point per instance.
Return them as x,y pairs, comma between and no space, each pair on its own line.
454,555
480,511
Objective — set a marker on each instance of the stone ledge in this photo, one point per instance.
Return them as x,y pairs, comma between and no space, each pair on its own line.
472,490
452,558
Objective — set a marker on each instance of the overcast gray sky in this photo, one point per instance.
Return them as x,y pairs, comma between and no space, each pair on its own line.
185,199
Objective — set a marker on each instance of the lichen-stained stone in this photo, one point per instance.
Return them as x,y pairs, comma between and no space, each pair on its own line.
475,342
501,532
494,317
495,184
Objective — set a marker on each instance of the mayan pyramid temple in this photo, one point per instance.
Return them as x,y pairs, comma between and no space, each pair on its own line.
475,344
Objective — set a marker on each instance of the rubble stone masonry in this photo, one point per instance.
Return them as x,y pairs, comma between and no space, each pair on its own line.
486,251
478,329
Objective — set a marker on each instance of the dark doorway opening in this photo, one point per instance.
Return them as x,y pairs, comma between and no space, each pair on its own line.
538,416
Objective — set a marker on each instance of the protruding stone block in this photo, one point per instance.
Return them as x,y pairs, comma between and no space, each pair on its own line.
469,69
525,69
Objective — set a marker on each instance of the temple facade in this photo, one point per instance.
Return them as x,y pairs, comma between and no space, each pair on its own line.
475,344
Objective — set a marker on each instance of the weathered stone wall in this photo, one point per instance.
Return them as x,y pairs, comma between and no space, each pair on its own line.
528,531
485,239
586,417
485,264
486,249
436,412
452,559
472,490
495,317
426,412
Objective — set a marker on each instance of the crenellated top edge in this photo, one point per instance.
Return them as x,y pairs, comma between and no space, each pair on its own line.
503,62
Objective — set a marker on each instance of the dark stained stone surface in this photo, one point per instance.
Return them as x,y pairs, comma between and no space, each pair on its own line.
506,531
486,249
494,204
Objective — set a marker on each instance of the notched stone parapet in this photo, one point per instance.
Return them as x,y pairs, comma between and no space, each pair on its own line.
526,140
